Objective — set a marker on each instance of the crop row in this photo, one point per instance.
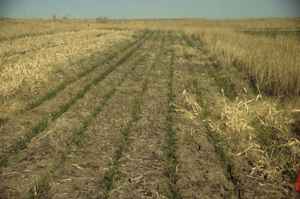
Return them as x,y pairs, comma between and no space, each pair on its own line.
21,143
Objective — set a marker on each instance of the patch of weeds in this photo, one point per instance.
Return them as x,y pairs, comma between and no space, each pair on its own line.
41,187
221,81
3,120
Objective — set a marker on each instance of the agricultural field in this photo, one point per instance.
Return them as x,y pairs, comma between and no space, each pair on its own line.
188,108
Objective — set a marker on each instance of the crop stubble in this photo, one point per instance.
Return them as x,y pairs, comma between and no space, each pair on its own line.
18,125
32,73
54,139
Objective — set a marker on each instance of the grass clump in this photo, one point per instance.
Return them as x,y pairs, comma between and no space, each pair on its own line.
40,188
3,121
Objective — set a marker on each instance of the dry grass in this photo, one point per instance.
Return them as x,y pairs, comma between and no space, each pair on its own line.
269,155
22,45
47,54
15,28
188,106
271,63
237,131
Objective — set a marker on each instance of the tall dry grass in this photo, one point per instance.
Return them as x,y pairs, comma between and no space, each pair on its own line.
271,63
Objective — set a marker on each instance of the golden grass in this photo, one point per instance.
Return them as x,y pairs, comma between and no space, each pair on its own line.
236,117
33,68
20,45
15,28
237,133
27,63
271,63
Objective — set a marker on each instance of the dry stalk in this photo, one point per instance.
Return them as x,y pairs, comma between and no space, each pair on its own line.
189,105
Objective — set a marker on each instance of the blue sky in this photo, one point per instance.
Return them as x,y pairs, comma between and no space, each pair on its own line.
141,9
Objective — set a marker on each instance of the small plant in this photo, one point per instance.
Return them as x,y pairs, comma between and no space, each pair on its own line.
101,20
3,120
